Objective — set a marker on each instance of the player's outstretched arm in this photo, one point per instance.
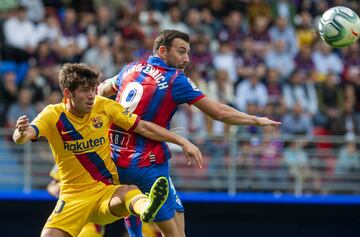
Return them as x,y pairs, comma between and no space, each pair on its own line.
106,88
23,132
227,114
157,133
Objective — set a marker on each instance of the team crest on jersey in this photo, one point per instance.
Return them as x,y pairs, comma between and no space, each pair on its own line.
192,84
97,122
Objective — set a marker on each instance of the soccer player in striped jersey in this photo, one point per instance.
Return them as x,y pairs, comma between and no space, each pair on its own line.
153,89
77,132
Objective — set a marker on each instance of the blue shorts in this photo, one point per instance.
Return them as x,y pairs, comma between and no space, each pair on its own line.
144,178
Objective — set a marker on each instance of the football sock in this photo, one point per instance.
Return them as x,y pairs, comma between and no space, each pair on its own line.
135,201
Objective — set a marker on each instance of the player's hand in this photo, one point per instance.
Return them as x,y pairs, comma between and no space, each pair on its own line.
264,121
192,152
22,124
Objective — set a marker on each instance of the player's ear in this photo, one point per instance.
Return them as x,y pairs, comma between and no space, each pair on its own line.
162,50
67,93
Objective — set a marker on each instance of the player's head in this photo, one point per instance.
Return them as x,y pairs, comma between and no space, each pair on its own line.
78,83
173,48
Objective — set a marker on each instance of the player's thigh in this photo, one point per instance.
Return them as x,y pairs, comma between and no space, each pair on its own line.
70,214
52,232
169,228
180,221
111,206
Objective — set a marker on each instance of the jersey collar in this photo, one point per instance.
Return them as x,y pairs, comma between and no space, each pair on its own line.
156,61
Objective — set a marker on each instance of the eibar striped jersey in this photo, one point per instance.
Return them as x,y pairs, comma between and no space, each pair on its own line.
152,90
81,146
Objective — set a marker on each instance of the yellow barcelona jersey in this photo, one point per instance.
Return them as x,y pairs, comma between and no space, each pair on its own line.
54,173
81,146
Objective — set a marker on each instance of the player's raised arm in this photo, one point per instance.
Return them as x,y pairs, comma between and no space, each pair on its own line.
23,132
227,114
106,88
157,133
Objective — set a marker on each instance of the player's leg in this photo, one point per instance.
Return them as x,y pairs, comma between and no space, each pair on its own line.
129,199
133,226
52,232
70,214
174,227
180,221
143,177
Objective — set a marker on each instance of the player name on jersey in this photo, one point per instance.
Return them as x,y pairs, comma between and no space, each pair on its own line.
150,71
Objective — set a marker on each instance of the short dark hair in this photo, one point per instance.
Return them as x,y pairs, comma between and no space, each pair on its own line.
72,75
166,37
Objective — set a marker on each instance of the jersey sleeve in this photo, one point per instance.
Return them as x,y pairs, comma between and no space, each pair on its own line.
42,121
185,91
54,173
121,116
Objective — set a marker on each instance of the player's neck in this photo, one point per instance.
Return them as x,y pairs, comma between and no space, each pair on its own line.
72,109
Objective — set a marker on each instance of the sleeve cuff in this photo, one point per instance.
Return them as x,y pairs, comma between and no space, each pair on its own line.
196,99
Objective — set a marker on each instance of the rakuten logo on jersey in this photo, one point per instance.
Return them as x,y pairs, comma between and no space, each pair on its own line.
82,146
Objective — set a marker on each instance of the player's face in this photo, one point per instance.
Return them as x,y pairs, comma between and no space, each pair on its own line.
82,100
178,54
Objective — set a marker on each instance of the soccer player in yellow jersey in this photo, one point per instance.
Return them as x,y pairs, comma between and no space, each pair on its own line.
90,229
77,132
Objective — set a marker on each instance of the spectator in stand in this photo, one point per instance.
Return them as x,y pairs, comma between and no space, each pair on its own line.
100,57
304,61
49,30
251,90
351,61
331,100
8,94
172,20
296,122
201,56
348,160
23,106
221,89
210,22
232,30
248,61
347,123
273,86
37,85
46,59
260,35
35,9
20,37
196,27
300,89
326,61
224,59
257,8
103,25
305,33
297,160
72,42
277,57
283,31
284,8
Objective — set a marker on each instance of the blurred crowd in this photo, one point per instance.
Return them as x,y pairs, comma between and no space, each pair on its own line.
262,57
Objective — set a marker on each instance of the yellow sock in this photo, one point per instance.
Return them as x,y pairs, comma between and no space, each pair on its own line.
135,201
